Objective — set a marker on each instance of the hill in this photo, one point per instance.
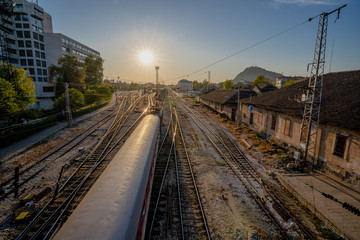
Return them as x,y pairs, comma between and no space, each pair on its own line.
250,73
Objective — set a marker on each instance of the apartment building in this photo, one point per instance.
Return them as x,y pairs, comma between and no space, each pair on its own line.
57,44
27,41
31,22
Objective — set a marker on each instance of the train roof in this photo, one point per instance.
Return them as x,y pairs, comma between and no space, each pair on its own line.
109,210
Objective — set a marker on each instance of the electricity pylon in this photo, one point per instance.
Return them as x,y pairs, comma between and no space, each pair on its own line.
311,116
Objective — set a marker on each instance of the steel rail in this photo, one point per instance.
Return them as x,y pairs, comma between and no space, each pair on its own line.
193,178
252,192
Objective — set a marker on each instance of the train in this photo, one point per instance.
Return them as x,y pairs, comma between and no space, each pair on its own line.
116,206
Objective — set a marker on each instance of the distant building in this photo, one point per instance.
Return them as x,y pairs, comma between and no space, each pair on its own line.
225,101
279,82
58,44
185,85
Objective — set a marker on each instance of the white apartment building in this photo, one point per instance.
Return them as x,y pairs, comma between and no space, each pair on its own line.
32,45
31,22
58,44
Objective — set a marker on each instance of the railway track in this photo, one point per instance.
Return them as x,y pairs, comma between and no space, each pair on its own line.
40,164
258,187
50,218
176,210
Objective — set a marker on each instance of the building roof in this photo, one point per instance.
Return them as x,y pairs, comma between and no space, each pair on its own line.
222,96
340,104
264,87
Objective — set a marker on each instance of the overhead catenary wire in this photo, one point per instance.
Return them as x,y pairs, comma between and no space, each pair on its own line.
244,49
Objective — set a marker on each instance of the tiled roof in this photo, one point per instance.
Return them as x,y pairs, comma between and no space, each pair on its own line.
222,96
340,104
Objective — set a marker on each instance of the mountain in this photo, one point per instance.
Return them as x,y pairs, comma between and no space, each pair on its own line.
250,73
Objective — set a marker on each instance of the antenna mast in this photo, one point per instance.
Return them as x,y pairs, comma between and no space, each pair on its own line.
310,122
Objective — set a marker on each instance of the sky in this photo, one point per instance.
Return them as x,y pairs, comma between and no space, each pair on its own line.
186,36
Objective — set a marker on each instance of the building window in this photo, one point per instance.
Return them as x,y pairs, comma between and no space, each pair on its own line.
27,34
36,36
43,63
37,54
36,45
29,53
26,25
41,38
244,114
40,79
18,25
340,144
45,79
23,62
22,53
34,28
19,34
30,62
31,70
17,17
44,72
24,17
287,127
28,43
18,5
43,55
38,63
48,89
21,43
40,30
273,122
38,12
39,71
42,46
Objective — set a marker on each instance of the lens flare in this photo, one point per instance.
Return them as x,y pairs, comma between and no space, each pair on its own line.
146,57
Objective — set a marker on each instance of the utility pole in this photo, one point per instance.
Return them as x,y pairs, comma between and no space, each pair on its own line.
238,107
157,78
311,115
67,101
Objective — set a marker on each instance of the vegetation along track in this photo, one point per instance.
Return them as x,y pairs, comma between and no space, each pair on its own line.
50,218
38,165
259,189
176,210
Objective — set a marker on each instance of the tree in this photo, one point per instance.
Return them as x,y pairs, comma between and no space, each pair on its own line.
70,70
93,70
76,99
228,84
289,82
17,91
261,79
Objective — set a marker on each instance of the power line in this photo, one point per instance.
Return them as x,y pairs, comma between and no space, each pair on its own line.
245,49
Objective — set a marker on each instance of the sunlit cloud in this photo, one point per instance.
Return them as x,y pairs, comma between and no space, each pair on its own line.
305,2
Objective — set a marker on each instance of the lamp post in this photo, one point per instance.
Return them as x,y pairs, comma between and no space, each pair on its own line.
157,78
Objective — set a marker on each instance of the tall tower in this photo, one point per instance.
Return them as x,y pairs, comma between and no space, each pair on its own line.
311,117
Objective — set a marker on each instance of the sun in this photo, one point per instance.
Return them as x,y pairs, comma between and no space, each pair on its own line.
146,57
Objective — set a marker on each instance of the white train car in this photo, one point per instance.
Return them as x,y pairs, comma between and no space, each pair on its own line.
116,207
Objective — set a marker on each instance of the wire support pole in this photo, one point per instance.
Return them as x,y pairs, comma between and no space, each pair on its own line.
68,108
311,115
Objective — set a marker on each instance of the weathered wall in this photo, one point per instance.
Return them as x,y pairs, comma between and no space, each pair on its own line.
350,162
